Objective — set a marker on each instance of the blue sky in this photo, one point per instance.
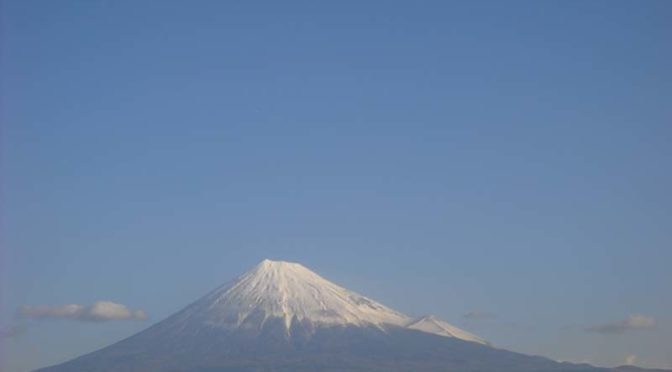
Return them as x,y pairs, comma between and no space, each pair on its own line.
510,159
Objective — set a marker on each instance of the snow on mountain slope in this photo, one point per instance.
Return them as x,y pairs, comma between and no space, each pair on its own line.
431,324
277,289
289,292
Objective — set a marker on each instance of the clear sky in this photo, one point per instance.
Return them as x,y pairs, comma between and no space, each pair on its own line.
508,160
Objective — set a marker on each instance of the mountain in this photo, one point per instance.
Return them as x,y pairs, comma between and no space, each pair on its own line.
282,317
289,293
431,324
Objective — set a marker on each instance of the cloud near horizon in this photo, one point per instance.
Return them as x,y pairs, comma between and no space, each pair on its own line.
630,359
100,311
633,322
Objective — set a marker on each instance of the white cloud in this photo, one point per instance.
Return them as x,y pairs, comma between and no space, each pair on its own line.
98,312
640,321
42,311
105,310
630,359
632,322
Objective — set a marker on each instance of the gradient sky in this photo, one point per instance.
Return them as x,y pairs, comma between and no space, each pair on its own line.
512,160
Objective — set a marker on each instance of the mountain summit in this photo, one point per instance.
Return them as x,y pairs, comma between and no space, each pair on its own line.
282,317
289,292
292,294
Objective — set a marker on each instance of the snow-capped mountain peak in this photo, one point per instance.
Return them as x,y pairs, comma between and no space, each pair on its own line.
291,292
282,316
288,293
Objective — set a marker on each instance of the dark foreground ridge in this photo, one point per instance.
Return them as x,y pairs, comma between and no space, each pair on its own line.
328,349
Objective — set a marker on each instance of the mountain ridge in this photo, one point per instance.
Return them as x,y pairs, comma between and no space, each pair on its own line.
281,316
